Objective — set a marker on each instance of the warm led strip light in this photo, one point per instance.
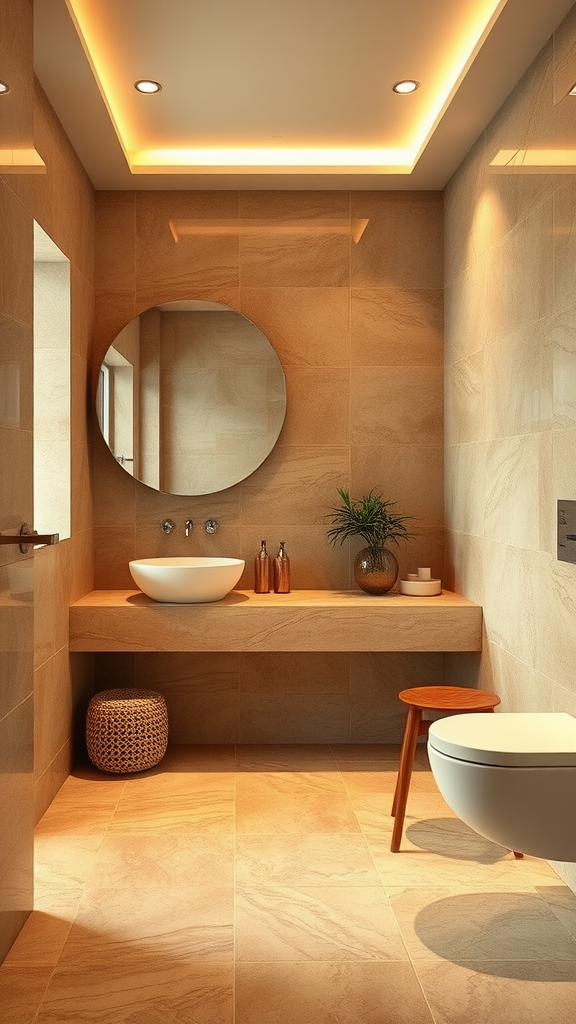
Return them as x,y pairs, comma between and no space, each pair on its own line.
186,227
290,160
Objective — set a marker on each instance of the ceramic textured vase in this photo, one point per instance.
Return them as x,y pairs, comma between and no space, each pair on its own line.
375,570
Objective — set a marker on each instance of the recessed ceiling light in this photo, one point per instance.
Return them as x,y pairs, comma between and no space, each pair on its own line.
4,87
406,86
147,86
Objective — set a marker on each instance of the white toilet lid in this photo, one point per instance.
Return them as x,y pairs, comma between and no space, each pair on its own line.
529,739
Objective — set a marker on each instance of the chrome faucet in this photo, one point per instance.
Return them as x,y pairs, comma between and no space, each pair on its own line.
188,525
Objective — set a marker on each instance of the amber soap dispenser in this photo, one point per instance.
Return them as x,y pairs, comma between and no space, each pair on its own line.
262,571
282,571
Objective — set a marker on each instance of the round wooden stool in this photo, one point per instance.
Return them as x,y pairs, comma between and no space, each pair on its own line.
453,700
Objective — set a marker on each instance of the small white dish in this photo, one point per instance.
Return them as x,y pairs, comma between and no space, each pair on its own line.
421,588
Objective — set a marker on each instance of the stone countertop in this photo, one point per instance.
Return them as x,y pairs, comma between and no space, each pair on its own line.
304,620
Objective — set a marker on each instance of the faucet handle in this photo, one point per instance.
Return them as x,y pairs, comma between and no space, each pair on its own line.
211,525
167,525
188,525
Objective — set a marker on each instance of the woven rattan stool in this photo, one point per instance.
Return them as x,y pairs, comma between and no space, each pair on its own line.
452,700
126,730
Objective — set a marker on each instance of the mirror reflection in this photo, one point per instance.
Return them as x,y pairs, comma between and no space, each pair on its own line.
191,397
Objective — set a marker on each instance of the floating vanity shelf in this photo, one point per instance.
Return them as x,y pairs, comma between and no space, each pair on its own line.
305,620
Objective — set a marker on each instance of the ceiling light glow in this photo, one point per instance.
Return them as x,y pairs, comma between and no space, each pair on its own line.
147,86
4,88
406,86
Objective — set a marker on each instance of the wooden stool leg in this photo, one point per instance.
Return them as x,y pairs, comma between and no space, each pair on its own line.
407,753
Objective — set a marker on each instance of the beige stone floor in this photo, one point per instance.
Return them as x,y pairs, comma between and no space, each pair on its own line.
254,885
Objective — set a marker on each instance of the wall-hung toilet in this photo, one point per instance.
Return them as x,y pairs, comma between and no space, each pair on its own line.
511,777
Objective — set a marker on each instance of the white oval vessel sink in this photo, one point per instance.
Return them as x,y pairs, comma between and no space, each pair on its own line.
186,580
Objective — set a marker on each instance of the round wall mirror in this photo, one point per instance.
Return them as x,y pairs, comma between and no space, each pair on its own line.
191,397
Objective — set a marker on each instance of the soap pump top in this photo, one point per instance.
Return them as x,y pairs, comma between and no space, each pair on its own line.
282,571
262,571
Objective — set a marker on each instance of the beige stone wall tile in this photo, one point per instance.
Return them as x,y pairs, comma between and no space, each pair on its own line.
464,227
295,485
411,476
401,246
81,487
113,549
16,627
465,313
62,199
52,709
81,314
306,326
303,257
398,404
562,349
152,506
520,687
197,266
528,120
564,244
15,258
396,327
464,565
317,406
314,564
114,670
114,491
16,374
48,783
514,473
519,380
198,673
466,484
424,549
519,274
151,542
314,673
81,419
52,587
294,718
465,400
16,473
17,744
513,597
377,715
201,692
115,228
81,565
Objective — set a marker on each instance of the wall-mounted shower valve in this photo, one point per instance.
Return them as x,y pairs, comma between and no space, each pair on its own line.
167,525
211,525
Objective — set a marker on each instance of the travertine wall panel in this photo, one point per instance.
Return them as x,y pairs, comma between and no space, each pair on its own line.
509,390
357,327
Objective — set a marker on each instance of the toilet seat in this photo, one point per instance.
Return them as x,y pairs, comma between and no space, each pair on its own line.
517,739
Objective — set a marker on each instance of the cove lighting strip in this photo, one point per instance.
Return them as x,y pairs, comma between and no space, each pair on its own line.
289,160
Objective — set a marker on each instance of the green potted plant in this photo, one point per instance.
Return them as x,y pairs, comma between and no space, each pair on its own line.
370,517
